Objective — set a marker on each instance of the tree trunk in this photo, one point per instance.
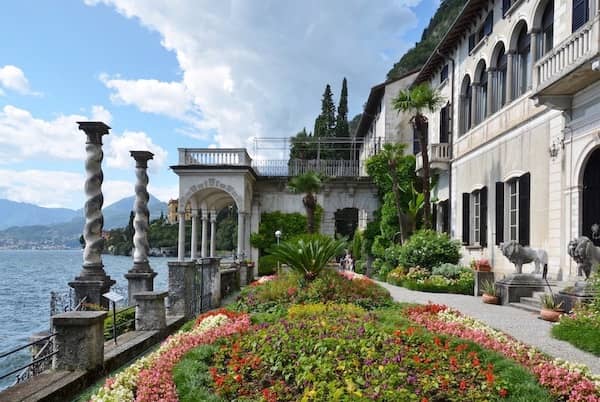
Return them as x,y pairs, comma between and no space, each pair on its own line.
396,190
310,204
420,126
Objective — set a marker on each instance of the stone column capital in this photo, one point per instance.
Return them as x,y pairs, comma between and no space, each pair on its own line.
204,215
94,131
194,213
141,158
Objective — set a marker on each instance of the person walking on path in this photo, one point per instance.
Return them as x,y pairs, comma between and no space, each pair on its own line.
520,324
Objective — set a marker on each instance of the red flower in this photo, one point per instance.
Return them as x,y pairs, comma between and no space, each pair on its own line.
503,392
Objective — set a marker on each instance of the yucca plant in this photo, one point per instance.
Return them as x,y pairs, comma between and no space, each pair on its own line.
308,254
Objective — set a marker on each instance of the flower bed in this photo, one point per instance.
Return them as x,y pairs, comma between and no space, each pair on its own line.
324,352
150,378
565,381
330,286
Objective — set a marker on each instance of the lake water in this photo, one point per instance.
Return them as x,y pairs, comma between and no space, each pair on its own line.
26,279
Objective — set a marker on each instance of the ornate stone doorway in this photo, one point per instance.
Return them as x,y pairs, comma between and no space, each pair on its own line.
590,226
346,222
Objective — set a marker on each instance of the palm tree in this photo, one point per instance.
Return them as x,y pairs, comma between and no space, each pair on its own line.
308,254
419,99
308,183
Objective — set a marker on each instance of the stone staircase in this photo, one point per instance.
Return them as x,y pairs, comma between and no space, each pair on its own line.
533,304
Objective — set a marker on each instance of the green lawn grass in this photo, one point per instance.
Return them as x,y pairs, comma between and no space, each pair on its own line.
582,334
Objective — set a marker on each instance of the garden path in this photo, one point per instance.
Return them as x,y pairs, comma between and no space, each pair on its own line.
522,325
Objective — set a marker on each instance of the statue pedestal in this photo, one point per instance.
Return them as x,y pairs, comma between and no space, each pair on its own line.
512,288
582,292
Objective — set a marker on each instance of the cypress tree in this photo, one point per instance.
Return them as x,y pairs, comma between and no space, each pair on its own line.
341,127
325,123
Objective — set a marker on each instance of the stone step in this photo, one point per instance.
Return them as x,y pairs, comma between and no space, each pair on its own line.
534,302
525,307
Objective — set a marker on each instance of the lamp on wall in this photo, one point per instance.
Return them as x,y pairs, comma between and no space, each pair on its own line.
555,148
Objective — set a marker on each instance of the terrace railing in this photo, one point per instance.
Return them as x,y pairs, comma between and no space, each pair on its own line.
214,157
295,167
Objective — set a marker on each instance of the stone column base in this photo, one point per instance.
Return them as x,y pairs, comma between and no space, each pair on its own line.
150,311
139,282
514,287
91,290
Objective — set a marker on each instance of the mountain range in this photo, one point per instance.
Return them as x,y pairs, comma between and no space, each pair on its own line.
25,225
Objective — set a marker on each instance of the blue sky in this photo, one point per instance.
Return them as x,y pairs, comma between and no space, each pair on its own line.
167,74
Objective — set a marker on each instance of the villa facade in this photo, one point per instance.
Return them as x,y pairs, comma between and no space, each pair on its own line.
521,122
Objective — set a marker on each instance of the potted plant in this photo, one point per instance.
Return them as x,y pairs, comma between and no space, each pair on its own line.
489,292
551,310
482,265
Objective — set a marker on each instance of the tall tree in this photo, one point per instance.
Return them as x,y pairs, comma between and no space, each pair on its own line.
416,101
325,122
308,183
342,130
394,173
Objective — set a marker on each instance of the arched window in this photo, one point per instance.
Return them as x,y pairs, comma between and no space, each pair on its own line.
521,77
499,83
465,105
481,105
545,39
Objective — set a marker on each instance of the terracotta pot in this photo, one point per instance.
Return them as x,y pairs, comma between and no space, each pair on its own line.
488,299
550,315
483,268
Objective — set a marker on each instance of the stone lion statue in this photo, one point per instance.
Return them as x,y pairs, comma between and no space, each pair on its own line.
519,255
585,254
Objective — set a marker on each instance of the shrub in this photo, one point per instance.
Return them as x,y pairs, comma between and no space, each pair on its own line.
267,265
450,271
357,244
125,322
290,225
396,276
427,249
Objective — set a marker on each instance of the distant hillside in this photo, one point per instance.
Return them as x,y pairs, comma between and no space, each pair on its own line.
23,214
435,31
66,234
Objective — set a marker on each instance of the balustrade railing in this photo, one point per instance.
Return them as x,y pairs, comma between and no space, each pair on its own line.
214,157
437,153
569,54
39,363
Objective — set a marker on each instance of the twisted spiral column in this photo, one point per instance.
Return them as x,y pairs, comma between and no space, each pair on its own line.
140,221
140,278
93,281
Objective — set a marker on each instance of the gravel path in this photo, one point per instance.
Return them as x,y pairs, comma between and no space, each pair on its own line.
522,325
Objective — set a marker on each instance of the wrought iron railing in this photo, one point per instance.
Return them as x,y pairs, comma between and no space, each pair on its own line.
119,324
39,363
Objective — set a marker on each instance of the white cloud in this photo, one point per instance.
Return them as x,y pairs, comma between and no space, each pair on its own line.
22,136
259,68
118,147
13,78
42,187
167,98
163,193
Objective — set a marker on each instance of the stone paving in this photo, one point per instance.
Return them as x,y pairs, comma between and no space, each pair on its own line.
522,325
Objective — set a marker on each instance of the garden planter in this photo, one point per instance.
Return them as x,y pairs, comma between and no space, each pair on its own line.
550,315
488,299
483,268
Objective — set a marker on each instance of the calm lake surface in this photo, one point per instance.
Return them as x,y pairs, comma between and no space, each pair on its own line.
26,279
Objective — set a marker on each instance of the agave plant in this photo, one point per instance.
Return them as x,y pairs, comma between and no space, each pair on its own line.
308,254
